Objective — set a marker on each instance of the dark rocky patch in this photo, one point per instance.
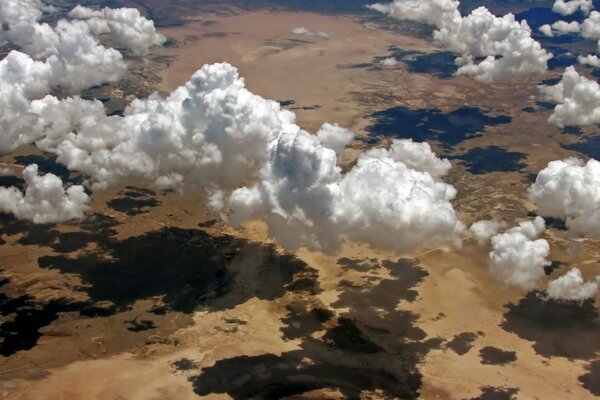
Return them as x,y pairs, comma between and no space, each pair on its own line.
140,325
591,380
185,364
286,103
495,356
462,343
483,160
496,393
432,124
558,329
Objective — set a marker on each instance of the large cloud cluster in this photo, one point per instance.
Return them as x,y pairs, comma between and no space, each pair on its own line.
74,56
126,27
505,45
45,200
211,131
66,56
518,257
577,99
570,189
391,198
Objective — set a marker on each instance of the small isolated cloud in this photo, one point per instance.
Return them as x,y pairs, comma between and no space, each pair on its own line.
307,32
572,287
518,257
577,100
389,62
560,28
491,48
484,230
45,200
571,6
570,189
591,60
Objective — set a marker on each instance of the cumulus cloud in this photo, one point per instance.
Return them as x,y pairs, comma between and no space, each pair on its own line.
505,45
572,287
75,57
300,30
577,100
590,27
570,189
571,6
45,200
560,28
211,131
335,137
518,257
126,27
389,62
306,201
591,60
484,230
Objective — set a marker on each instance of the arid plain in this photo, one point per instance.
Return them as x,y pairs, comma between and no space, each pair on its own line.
257,322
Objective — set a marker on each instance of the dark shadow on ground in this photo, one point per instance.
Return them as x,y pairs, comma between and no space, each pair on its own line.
483,160
556,329
373,346
423,125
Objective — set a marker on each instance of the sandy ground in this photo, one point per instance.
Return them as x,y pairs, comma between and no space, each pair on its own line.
459,295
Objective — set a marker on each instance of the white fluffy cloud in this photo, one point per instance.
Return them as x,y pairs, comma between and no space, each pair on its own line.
518,257
505,45
570,189
306,201
571,6
45,200
572,287
300,30
577,99
591,60
126,27
560,28
75,57
484,230
335,137
211,131
590,28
